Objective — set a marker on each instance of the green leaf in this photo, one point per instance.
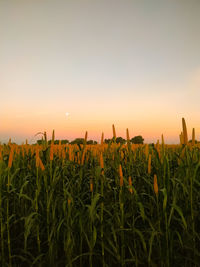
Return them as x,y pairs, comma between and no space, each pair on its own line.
181,215
94,236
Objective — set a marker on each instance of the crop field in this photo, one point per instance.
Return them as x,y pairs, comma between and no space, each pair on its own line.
100,205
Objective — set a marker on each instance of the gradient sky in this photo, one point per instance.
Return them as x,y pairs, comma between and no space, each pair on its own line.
132,63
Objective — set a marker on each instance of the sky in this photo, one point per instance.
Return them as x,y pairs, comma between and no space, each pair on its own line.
134,64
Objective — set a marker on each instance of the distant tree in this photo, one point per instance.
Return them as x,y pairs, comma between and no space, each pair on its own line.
91,142
56,142
40,142
78,141
120,140
137,140
107,141
190,141
65,141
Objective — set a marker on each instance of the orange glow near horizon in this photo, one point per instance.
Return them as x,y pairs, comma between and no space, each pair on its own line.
150,121
66,128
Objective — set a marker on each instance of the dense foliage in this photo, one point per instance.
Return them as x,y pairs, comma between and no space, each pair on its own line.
99,205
